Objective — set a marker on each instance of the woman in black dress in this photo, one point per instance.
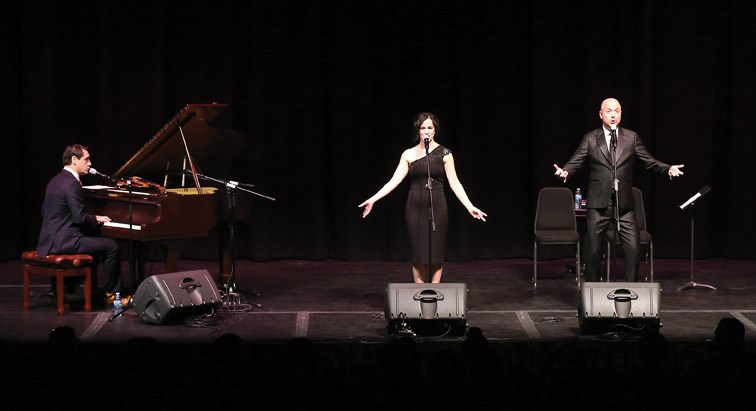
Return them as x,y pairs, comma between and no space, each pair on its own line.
427,245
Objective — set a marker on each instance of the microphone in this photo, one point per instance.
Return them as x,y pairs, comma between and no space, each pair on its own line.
426,138
94,171
614,136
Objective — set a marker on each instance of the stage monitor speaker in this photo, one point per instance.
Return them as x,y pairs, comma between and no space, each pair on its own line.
619,306
427,310
164,297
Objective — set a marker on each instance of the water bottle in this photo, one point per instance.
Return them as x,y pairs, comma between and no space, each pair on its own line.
117,303
578,199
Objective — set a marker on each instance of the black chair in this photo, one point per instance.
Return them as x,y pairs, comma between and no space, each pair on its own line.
555,224
645,237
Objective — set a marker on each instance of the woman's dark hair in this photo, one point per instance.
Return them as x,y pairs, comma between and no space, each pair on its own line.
73,150
419,122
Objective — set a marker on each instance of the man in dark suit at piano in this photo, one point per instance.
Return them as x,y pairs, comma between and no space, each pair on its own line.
67,228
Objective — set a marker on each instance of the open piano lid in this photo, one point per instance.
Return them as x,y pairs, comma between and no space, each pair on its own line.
209,146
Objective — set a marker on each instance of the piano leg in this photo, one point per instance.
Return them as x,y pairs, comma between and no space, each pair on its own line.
140,259
142,249
135,257
172,255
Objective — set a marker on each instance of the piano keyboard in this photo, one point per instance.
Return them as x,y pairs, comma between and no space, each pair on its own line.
122,225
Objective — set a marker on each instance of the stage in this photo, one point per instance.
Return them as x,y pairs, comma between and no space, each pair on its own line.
319,339
345,301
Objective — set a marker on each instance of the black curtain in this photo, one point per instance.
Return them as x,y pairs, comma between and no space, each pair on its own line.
325,93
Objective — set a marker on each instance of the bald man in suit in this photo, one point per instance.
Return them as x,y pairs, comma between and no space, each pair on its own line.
67,228
608,200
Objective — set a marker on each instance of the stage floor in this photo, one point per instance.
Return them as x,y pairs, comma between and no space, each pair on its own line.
344,302
319,340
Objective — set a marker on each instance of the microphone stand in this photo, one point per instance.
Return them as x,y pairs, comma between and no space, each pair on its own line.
689,205
231,187
615,188
132,272
615,181
431,213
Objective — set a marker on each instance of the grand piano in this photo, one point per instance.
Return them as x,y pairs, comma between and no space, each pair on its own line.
153,199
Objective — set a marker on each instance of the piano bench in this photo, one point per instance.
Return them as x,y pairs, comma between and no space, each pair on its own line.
59,266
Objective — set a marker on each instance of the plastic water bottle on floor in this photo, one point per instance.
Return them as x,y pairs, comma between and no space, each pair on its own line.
117,303
578,199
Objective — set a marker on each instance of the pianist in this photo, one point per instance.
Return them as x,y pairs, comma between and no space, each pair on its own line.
68,229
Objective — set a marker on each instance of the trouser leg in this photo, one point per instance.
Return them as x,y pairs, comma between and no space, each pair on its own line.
597,221
106,250
630,238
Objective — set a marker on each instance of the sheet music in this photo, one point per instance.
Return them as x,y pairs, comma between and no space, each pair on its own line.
702,192
691,200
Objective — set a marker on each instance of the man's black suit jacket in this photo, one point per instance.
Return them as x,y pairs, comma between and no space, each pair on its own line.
63,216
593,148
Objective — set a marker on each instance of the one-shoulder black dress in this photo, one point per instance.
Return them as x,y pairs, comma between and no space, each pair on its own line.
417,210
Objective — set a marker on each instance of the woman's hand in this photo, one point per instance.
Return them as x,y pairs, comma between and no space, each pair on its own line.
368,206
477,214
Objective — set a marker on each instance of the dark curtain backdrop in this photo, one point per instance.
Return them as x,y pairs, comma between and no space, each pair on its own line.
325,92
